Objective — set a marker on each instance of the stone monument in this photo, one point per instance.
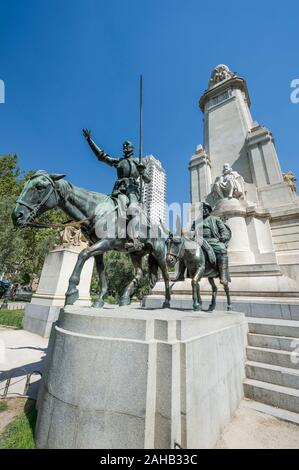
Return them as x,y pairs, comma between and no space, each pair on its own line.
49,298
237,171
125,377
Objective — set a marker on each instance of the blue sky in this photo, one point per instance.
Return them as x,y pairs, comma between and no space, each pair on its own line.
69,64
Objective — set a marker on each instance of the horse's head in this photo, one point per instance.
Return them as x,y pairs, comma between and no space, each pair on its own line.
39,195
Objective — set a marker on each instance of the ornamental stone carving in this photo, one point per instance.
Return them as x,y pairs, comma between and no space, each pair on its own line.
229,185
290,179
219,74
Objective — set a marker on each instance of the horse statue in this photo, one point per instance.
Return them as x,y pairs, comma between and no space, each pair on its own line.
192,256
43,192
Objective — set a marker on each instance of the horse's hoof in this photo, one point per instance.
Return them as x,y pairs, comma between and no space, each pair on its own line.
229,308
98,303
124,301
211,308
166,304
71,297
197,308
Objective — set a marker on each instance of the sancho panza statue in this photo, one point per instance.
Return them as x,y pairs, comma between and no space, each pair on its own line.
229,185
129,171
216,235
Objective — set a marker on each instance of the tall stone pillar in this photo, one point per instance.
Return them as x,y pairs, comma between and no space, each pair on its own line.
200,175
264,216
231,136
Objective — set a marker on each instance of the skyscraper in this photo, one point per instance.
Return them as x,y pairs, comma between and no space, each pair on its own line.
154,193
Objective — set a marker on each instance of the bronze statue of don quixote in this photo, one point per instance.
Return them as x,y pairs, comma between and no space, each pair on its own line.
107,220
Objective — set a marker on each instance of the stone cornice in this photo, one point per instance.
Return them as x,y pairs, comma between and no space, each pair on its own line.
258,135
285,213
234,82
200,157
234,208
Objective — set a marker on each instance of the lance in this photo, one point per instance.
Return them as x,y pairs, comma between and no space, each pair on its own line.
140,135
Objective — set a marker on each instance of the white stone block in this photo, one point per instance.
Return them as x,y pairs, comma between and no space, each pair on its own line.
50,295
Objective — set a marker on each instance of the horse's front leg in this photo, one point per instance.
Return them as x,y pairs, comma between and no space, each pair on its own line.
164,270
103,281
214,294
197,303
98,248
131,288
226,288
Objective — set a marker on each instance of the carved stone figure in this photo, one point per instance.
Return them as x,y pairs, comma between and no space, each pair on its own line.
72,236
220,73
229,185
290,179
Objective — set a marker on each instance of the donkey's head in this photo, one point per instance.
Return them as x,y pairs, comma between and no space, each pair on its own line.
174,250
39,195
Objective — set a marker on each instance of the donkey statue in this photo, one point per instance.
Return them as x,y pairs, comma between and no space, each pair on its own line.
199,261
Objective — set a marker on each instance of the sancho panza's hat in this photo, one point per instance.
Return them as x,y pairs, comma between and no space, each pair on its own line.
205,205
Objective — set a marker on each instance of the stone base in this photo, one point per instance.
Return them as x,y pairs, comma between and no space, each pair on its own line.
50,296
38,319
57,269
248,285
125,378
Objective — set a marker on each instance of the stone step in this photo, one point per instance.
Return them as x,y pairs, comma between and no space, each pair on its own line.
251,308
270,373
271,394
277,312
284,343
271,410
272,327
273,356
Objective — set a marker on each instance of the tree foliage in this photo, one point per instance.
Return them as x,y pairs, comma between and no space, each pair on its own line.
119,272
22,252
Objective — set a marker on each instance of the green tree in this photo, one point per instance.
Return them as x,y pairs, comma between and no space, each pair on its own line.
22,252
119,272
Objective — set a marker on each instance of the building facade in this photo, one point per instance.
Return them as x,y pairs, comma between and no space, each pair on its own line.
154,193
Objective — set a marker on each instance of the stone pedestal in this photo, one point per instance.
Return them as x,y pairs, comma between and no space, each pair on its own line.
251,242
126,378
255,271
50,295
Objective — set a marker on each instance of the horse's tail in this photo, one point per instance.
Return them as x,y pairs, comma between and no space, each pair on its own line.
153,270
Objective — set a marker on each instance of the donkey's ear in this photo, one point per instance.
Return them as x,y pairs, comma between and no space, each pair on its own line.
56,176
